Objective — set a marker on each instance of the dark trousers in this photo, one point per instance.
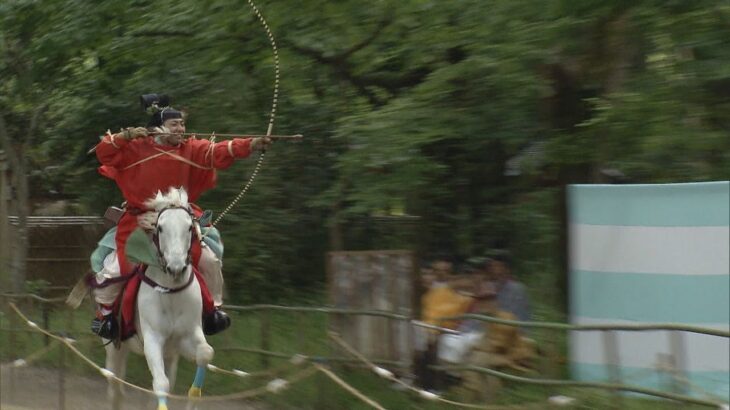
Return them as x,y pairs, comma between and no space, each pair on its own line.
427,377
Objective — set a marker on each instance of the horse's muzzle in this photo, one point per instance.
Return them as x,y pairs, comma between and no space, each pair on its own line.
176,270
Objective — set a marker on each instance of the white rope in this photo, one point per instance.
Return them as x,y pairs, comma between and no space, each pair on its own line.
347,387
32,357
386,374
278,383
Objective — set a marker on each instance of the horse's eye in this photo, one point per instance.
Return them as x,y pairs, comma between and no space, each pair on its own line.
191,228
159,229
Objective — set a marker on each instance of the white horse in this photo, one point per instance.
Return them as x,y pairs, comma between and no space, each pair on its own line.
169,306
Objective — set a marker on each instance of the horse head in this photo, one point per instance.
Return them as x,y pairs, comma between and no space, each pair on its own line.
173,231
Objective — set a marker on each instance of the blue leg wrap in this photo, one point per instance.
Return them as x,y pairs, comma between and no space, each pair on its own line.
199,377
162,402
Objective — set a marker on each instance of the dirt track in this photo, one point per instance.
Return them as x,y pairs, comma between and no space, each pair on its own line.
37,388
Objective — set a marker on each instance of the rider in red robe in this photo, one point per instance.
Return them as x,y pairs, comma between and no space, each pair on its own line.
141,165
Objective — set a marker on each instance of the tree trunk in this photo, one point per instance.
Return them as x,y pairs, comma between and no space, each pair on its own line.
4,223
20,256
336,240
19,201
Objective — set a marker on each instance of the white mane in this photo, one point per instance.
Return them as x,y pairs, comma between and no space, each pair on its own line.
175,197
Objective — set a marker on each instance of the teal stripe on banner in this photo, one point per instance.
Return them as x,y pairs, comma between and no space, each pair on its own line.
696,204
714,383
651,297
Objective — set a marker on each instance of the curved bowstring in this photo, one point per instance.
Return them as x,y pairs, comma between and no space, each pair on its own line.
272,114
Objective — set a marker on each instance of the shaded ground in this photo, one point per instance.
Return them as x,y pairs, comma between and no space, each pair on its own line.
38,388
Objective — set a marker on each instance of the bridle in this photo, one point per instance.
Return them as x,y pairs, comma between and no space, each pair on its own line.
156,239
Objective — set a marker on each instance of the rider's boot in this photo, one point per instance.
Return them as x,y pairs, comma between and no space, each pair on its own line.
105,326
215,322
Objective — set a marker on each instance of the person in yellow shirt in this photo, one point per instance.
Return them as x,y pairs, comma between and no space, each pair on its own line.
439,301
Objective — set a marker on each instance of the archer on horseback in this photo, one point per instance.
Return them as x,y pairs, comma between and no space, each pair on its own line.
143,161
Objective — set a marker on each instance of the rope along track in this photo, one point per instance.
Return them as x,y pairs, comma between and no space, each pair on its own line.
272,387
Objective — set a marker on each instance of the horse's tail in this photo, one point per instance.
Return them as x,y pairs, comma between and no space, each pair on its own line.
79,292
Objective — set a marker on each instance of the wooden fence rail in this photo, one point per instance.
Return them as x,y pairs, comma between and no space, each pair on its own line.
265,351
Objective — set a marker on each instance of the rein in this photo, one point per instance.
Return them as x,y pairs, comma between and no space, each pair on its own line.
156,238
163,263
139,270
164,289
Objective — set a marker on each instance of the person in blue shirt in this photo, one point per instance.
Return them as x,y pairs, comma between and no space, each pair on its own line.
512,294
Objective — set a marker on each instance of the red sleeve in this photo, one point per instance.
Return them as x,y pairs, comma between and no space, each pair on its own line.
222,154
110,151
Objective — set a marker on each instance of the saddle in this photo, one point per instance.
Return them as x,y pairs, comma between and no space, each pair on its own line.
125,303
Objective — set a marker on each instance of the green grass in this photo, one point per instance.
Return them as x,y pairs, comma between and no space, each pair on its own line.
292,333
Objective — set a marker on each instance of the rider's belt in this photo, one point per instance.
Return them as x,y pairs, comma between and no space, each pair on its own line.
136,211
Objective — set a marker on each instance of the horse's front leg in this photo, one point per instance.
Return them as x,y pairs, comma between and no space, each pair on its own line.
153,344
198,349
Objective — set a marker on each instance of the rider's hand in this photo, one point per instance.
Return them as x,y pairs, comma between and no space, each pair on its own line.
260,144
134,132
161,130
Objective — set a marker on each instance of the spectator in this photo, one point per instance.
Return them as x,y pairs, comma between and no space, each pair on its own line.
491,351
511,294
440,300
500,347
452,347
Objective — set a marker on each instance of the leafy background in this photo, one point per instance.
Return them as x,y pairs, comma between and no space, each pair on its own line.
450,128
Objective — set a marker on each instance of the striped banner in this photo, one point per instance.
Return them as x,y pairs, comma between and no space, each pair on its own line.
652,253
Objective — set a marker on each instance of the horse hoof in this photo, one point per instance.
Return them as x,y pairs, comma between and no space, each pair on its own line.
195,392
162,407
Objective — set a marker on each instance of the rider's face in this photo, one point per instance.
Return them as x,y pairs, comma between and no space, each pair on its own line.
175,125
177,128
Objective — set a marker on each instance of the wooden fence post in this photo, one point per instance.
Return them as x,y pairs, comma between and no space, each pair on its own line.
613,363
62,377
299,328
265,336
679,362
46,314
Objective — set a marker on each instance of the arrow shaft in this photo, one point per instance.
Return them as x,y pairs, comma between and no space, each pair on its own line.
273,137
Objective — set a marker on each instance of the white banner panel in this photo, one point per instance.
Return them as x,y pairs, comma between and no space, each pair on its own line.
652,254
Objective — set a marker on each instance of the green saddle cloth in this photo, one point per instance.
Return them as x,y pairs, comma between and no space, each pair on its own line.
107,244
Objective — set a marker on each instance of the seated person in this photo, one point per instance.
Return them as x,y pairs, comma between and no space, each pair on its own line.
439,301
453,347
501,347
512,295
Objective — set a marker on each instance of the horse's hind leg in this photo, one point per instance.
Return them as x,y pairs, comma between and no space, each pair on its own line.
116,362
171,369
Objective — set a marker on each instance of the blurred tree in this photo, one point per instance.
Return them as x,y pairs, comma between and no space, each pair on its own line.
460,120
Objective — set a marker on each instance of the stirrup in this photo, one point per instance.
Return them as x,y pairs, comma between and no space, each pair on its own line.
216,322
105,327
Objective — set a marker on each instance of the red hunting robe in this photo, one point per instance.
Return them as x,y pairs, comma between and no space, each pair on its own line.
141,167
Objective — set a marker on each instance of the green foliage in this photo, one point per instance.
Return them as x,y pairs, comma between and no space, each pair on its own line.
467,114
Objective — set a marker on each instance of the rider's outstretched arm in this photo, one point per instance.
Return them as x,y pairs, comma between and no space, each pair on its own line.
221,155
